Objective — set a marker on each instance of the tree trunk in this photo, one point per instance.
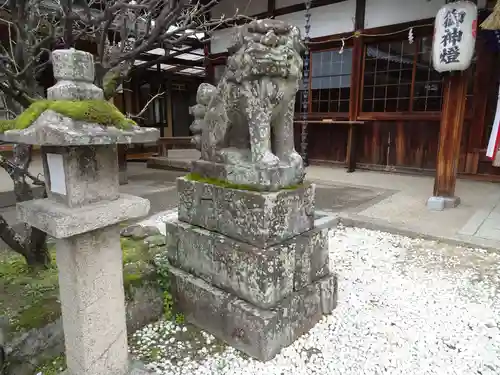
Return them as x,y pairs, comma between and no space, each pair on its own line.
32,244
37,252
33,248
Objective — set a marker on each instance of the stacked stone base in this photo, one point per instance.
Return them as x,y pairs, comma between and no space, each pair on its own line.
251,268
257,332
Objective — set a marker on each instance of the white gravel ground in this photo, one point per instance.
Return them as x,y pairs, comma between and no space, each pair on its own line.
406,306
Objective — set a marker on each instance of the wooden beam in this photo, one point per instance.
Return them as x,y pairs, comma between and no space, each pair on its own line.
422,28
172,60
195,43
450,134
359,20
302,6
178,68
175,52
282,11
271,6
152,60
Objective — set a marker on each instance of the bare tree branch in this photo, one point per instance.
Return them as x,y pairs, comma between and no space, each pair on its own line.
122,30
12,239
147,105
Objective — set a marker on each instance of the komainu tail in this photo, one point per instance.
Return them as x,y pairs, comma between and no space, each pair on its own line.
204,96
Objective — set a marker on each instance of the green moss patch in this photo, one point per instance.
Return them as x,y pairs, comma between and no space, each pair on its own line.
96,111
30,299
52,367
39,313
226,184
7,125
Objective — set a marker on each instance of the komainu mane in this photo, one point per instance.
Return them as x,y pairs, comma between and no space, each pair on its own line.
247,120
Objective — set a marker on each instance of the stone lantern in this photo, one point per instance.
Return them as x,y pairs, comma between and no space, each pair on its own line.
82,212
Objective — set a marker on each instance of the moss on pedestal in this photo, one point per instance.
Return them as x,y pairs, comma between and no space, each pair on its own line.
229,185
94,111
138,268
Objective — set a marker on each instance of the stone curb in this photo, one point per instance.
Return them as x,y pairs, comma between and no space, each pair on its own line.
350,220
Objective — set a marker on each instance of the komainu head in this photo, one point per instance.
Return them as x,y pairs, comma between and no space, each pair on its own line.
265,48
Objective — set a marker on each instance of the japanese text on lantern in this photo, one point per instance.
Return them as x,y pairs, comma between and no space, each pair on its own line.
455,36
452,37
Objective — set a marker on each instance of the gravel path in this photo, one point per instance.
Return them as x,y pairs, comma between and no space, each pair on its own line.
406,306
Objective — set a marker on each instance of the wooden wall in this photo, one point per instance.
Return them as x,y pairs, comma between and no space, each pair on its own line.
401,145
408,142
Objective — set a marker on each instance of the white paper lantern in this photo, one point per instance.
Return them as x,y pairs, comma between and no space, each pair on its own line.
455,32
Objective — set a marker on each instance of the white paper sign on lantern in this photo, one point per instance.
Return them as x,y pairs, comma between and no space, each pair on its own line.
455,32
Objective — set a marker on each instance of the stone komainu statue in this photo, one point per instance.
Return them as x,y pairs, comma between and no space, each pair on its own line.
247,120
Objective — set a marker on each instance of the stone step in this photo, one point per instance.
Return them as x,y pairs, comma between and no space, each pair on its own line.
256,332
262,277
161,162
184,153
258,218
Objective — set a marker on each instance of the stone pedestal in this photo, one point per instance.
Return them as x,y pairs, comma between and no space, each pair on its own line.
261,219
251,267
246,173
82,212
436,203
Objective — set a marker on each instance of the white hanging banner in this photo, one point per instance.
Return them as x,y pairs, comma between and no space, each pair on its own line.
493,143
455,32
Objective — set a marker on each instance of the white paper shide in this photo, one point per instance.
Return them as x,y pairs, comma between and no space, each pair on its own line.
455,32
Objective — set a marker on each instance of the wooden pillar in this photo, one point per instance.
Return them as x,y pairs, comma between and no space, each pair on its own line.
122,164
400,144
484,80
122,160
209,66
355,98
450,134
271,7
169,131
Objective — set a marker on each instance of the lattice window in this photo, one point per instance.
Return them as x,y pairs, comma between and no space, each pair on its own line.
299,97
399,77
428,88
331,81
388,77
